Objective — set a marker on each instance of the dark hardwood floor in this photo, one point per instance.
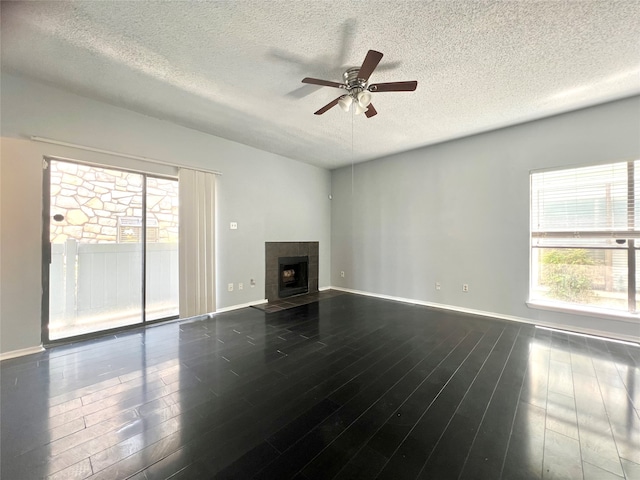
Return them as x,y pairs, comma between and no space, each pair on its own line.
347,387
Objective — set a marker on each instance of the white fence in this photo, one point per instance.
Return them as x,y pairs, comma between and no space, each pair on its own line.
94,280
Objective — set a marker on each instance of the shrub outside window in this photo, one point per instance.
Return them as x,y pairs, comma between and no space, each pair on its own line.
585,233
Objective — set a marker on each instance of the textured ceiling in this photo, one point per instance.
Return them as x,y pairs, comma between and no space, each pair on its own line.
234,68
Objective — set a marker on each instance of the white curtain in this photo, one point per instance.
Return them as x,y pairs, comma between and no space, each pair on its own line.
197,243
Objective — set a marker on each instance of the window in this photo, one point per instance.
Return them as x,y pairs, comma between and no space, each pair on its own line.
585,228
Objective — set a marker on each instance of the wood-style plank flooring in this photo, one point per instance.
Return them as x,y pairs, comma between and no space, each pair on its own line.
348,387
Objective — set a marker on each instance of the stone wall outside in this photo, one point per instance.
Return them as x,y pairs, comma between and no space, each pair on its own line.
96,202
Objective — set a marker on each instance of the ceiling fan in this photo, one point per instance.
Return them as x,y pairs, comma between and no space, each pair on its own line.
358,89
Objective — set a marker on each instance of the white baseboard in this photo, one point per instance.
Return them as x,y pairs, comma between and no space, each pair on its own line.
324,289
241,305
482,313
21,352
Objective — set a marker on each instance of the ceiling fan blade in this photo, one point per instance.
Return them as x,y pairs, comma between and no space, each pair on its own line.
370,63
327,106
325,83
370,112
394,87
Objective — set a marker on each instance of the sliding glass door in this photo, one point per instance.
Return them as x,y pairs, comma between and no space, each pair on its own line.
106,270
161,290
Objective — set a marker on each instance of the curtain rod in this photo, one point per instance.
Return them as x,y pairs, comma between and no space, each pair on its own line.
117,154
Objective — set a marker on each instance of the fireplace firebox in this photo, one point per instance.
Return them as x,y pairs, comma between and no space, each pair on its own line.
293,278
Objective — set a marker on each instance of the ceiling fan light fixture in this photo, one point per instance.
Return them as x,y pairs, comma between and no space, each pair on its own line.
345,102
364,98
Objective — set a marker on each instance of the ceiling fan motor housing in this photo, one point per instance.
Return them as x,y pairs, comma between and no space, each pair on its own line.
354,84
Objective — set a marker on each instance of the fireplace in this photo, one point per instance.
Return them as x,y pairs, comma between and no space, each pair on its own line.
293,276
274,252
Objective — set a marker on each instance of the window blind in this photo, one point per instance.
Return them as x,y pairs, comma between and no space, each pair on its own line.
197,243
588,201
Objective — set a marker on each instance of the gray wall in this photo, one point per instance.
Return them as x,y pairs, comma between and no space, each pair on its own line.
255,191
458,212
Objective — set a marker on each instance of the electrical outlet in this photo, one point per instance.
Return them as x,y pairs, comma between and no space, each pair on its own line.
342,273
233,225
241,286
465,287
230,287
437,285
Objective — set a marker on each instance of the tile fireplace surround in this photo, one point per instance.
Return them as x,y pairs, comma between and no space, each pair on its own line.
275,250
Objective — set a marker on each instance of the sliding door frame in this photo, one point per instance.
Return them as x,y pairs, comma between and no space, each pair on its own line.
46,248
46,253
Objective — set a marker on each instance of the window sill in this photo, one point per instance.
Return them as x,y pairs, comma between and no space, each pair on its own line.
586,311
